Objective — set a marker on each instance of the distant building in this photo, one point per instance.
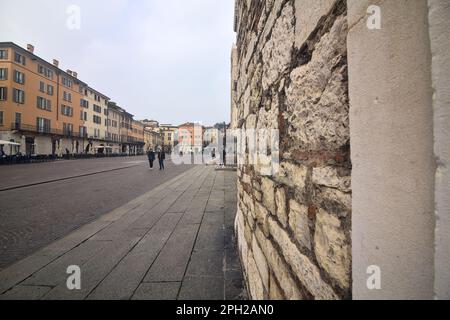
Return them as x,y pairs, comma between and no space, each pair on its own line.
190,137
113,135
94,111
169,136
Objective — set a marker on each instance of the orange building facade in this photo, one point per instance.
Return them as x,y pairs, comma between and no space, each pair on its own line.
46,110
190,137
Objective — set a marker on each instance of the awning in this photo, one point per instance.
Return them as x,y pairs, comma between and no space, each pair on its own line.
8,143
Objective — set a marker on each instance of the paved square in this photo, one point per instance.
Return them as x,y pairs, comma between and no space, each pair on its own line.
174,242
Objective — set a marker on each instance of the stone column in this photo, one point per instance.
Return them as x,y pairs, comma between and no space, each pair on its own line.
439,24
391,134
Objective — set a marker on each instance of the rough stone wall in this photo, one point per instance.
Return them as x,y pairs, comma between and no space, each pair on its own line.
293,227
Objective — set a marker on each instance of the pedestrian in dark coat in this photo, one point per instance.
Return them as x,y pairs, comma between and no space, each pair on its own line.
151,158
161,158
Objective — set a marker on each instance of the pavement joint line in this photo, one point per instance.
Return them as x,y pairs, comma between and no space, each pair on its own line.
131,249
83,241
195,240
168,238
65,178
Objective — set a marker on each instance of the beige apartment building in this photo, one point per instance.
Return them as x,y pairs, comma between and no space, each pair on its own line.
152,135
168,136
95,115
113,127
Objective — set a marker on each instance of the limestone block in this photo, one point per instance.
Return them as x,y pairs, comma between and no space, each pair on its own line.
281,212
317,98
332,249
305,270
254,280
277,51
268,190
275,292
261,264
280,270
307,15
292,175
298,221
328,176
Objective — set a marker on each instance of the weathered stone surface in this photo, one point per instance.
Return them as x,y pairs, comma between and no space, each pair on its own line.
254,279
262,216
292,77
277,51
329,177
268,189
281,272
292,175
331,248
305,270
307,15
261,263
335,201
298,221
317,99
275,292
280,199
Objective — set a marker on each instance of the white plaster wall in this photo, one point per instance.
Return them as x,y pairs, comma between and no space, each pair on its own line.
391,129
439,24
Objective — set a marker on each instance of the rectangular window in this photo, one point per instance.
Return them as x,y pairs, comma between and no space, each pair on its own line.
67,82
1,118
44,104
43,125
45,72
67,96
50,90
83,131
105,112
67,111
3,54
3,74
42,87
18,119
19,77
19,58
3,93
97,108
84,103
97,119
83,115
68,129
18,96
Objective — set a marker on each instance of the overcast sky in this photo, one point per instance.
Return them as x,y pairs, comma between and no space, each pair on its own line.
167,60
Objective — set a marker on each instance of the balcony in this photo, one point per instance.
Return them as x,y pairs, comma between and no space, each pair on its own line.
47,130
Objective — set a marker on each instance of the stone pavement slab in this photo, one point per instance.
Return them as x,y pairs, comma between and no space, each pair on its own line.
174,242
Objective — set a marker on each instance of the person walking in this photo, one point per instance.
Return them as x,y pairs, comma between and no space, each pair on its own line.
161,158
151,157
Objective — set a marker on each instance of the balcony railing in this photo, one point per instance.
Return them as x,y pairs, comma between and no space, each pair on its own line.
47,130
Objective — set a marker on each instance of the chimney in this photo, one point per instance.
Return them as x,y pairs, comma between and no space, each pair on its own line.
56,63
30,48
74,74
